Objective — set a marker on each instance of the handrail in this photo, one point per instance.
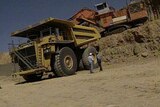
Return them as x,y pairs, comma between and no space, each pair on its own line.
25,59
22,59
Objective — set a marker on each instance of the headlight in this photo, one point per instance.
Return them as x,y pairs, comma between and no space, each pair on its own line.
46,50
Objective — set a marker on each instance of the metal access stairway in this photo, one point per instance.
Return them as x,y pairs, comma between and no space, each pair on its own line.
39,57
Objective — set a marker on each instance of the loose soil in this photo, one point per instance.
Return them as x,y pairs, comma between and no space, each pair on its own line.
134,84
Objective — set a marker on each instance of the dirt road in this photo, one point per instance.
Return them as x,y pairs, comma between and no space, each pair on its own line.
136,84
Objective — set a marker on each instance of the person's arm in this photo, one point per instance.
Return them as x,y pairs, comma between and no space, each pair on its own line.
92,58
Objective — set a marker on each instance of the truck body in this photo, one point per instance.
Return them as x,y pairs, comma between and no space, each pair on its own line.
108,20
53,46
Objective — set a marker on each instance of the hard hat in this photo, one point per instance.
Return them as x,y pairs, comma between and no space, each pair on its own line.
90,54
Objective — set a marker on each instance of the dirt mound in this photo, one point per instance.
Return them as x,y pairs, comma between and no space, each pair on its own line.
143,41
4,58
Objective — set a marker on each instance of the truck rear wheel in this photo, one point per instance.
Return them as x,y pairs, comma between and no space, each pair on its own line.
81,66
85,57
32,77
65,62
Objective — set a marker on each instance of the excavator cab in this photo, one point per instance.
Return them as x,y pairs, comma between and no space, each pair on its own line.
137,10
102,8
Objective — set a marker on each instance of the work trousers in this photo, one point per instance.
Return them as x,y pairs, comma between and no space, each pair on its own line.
100,65
91,67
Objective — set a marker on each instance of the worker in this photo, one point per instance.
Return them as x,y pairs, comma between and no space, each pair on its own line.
99,61
90,60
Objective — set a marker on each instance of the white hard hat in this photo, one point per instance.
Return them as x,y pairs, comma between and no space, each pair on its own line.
90,53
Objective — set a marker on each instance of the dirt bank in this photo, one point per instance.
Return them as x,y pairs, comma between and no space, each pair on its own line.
4,58
140,42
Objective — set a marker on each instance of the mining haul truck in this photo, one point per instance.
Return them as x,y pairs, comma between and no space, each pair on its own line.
107,20
53,45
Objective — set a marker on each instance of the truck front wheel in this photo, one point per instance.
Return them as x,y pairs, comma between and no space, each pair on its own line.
65,62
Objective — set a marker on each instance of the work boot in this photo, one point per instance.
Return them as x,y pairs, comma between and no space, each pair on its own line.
100,70
91,72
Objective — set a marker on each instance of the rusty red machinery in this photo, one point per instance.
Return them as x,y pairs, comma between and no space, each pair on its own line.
83,13
108,20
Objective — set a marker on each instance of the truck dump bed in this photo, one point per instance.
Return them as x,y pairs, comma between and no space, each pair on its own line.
40,26
78,34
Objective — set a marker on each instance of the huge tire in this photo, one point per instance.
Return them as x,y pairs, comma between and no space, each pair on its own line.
81,66
85,57
65,62
32,77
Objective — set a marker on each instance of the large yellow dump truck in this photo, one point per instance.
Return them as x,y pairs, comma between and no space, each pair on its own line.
53,45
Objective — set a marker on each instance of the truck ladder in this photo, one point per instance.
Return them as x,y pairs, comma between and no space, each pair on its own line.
39,57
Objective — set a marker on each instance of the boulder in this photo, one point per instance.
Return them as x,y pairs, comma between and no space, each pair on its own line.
144,54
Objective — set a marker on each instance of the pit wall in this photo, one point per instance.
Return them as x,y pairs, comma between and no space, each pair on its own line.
4,58
140,42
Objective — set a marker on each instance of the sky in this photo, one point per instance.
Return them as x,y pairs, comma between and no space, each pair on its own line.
18,14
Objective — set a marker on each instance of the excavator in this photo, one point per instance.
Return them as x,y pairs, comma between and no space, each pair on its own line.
107,20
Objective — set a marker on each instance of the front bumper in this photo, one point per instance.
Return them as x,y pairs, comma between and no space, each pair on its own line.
32,71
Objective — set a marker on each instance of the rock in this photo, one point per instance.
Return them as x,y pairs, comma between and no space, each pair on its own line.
144,54
136,49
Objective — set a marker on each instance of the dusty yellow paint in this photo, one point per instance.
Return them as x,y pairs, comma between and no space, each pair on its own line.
74,34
